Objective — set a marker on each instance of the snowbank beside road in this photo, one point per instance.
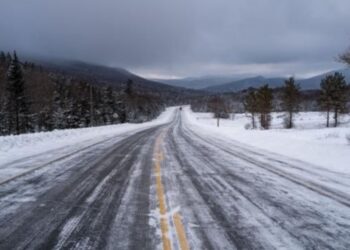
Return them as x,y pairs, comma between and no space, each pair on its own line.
309,141
19,146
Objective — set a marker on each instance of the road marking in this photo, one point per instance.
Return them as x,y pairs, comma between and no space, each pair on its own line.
162,206
180,231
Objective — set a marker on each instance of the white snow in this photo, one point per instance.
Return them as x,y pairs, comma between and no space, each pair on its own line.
309,141
16,147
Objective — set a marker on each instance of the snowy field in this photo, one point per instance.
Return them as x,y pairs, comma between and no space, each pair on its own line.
309,141
57,143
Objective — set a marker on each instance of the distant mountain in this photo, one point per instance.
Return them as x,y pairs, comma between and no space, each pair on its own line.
199,82
246,83
314,82
255,82
115,77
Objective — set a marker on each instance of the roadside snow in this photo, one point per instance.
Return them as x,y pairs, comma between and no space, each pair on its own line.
310,141
20,146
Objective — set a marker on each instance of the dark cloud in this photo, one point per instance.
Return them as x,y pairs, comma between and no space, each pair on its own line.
182,37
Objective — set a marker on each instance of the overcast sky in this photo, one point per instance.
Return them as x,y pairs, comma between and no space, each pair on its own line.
176,38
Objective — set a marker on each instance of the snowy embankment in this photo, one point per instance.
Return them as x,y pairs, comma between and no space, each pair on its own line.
26,145
309,141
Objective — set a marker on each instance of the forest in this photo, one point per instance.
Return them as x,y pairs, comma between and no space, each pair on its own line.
34,98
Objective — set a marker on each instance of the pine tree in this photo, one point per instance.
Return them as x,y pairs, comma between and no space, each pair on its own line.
290,100
98,110
59,120
121,110
72,113
264,101
129,90
251,105
83,107
3,120
44,121
333,96
2,57
130,102
17,106
108,105
8,58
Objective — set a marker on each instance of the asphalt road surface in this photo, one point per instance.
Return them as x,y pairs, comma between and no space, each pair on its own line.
172,187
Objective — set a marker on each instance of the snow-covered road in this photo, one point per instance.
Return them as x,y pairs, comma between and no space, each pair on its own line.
172,186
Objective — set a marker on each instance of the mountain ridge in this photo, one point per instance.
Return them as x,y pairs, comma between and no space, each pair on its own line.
237,83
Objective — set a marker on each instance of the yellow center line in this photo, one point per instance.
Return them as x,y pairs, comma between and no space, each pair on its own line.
180,231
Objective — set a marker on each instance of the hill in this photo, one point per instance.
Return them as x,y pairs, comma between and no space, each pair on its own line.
246,83
104,75
305,84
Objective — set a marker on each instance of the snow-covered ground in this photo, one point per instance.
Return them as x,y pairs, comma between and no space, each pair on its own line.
310,141
17,147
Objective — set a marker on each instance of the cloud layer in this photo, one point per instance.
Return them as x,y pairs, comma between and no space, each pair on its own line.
182,37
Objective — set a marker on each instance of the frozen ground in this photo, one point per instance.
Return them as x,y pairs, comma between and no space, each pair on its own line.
310,141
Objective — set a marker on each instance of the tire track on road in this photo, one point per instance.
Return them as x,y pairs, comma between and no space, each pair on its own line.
322,190
46,223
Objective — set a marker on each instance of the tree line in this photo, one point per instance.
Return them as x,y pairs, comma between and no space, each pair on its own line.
332,98
33,100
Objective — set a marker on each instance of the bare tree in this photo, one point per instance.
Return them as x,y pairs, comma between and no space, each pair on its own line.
345,57
219,108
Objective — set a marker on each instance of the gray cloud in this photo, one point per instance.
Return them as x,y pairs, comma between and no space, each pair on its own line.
182,37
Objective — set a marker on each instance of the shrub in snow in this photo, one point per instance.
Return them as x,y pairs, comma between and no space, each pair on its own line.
247,126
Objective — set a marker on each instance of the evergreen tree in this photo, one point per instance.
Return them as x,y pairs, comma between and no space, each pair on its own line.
72,114
130,101
8,58
2,57
251,105
108,105
333,96
3,120
98,107
59,102
121,110
17,106
264,101
290,100
44,120
129,90
83,105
